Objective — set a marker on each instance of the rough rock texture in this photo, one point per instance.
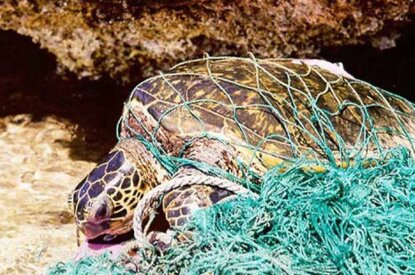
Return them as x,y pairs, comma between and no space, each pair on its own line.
129,39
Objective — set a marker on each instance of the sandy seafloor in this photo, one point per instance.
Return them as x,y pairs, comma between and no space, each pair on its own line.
36,175
52,132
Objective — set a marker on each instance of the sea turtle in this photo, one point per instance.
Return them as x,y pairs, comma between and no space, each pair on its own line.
241,116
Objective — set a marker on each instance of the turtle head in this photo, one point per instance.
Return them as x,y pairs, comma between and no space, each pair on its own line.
104,201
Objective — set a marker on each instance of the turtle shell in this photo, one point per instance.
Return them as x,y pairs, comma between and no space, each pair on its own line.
270,109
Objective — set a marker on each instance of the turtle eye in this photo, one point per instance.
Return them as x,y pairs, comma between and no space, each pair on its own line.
102,211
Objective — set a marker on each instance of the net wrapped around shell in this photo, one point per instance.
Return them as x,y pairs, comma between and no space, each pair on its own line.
342,198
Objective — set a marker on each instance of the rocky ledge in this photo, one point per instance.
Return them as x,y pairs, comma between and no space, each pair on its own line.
130,39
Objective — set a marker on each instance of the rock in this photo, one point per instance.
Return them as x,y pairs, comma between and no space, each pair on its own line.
130,39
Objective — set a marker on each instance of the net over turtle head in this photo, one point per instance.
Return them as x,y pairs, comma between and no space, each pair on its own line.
104,202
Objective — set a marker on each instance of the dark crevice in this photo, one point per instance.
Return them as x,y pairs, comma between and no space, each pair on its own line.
29,84
391,69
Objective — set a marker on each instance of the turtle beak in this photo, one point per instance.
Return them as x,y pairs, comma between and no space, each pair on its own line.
93,230
98,219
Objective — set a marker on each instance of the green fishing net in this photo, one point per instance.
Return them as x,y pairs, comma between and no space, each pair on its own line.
342,201
352,221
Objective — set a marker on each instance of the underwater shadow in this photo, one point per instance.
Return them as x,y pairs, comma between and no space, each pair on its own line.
29,85
391,69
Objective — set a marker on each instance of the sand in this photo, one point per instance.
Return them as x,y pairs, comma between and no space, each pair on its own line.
36,175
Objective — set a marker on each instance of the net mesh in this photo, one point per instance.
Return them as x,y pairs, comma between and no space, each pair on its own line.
333,155
271,110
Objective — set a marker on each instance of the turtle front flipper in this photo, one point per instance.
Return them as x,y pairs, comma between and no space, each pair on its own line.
178,207
179,204
180,195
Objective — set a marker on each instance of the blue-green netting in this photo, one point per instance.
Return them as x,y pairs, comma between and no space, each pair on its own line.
353,219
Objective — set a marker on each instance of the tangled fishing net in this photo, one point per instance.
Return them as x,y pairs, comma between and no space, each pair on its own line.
353,213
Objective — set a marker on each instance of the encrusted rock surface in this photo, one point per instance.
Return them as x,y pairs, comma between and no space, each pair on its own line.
130,39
